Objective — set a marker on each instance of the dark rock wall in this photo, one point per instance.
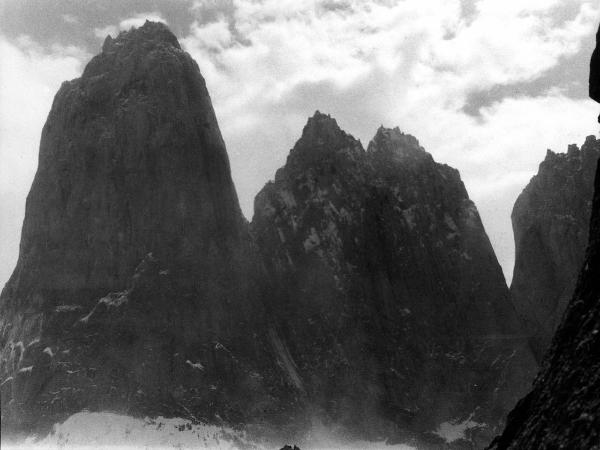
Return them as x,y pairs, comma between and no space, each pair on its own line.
551,221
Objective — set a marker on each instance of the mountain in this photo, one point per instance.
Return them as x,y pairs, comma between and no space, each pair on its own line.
550,222
561,411
388,293
364,296
137,288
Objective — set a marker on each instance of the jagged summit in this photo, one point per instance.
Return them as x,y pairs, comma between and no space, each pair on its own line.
323,130
395,141
586,154
323,140
151,33
149,48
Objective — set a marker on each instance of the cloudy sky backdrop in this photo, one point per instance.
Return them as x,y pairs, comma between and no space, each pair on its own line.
485,85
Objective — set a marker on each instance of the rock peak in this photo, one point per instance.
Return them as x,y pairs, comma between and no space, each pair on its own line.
148,57
392,141
141,40
323,133
150,33
321,124
322,140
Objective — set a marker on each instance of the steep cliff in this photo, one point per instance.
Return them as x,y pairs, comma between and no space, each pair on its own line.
389,295
550,221
137,287
561,411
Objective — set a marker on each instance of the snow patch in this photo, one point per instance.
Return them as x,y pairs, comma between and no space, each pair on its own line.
115,299
114,431
112,300
195,365
48,351
27,369
110,431
67,308
453,431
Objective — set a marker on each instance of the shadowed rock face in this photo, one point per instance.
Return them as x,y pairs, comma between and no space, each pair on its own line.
551,221
561,411
136,286
390,297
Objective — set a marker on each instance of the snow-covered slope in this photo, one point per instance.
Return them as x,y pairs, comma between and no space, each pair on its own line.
114,431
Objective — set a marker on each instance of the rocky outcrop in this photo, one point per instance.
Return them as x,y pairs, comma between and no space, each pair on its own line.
550,222
561,411
137,287
389,295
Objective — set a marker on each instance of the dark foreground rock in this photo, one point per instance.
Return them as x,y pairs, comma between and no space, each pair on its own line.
390,297
551,221
137,287
562,410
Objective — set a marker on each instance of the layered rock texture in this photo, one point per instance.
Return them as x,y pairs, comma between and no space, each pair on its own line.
551,221
136,286
389,294
562,410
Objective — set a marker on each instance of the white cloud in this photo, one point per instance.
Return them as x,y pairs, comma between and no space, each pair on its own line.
139,19
213,36
109,30
409,63
135,21
70,18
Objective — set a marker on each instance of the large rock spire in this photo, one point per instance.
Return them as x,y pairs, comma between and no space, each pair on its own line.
136,286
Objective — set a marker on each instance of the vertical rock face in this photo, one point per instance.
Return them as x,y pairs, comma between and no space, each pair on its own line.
390,298
550,221
135,287
561,411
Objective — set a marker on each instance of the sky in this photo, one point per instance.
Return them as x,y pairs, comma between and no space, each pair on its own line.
485,85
